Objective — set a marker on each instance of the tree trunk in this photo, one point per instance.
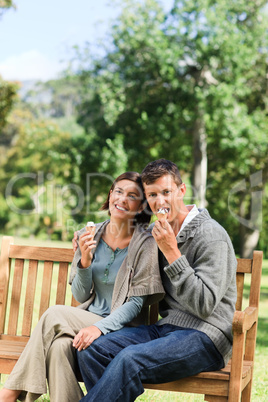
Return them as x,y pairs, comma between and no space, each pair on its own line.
200,161
250,218
248,241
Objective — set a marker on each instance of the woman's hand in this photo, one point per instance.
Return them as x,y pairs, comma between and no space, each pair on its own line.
86,244
85,337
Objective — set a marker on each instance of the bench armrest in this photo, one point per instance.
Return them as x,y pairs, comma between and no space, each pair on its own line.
243,320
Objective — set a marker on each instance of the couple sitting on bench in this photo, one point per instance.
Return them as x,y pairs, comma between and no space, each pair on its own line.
116,275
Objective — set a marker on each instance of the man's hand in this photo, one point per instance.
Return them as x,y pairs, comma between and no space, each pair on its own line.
86,244
74,241
85,337
166,240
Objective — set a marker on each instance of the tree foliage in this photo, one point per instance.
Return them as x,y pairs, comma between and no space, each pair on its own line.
8,95
172,82
54,98
35,177
131,91
6,4
189,85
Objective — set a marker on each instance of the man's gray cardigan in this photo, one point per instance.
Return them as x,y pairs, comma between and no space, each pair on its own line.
201,285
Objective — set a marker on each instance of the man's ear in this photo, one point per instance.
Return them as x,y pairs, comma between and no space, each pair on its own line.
182,189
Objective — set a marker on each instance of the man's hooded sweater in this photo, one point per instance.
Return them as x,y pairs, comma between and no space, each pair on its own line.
201,285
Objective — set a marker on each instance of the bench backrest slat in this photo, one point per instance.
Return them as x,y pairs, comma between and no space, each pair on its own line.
240,277
4,279
15,297
29,298
62,283
254,295
46,287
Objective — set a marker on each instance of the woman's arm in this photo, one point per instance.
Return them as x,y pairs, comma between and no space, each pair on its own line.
82,282
122,315
115,321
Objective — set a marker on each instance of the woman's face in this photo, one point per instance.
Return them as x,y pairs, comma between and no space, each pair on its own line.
125,200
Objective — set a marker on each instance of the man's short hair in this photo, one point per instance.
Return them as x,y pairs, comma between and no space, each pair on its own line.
161,167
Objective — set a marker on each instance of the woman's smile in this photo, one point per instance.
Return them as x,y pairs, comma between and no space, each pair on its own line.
120,208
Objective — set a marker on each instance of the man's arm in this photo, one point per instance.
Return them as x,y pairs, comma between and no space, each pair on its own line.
166,240
200,286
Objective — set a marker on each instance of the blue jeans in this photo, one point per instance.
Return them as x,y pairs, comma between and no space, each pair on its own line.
149,354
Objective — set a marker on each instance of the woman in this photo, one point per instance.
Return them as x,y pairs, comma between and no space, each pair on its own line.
114,275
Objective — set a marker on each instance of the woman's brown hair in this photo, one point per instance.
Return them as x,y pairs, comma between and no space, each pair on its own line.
142,217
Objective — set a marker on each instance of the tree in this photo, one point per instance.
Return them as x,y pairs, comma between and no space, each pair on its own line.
38,176
8,95
188,85
133,92
54,98
5,4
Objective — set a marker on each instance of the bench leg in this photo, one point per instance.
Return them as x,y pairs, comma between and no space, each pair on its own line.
246,393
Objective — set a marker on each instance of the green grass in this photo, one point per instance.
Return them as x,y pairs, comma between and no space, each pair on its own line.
260,384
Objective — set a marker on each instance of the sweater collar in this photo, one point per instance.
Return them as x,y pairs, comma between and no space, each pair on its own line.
190,229
193,211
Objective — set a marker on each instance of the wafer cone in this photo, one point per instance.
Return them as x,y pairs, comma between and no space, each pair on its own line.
91,228
161,214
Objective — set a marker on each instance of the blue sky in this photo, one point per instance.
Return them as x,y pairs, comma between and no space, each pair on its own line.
37,37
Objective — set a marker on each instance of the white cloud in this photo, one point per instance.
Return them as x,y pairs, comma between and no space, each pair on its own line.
30,65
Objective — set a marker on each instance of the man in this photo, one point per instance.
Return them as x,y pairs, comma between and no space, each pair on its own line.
198,269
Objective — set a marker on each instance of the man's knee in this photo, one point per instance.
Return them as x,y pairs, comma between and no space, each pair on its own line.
127,357
83,356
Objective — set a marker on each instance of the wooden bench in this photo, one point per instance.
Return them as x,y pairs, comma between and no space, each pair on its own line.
25,294
234,382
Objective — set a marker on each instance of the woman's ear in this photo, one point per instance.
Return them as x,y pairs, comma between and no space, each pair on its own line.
142,206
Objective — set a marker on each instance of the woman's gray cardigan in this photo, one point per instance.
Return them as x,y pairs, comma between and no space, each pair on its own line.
138,275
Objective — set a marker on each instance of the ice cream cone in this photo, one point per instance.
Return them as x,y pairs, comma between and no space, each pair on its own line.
91,228
162,214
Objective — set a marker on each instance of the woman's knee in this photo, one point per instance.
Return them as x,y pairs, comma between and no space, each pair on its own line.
55,310
62,346
55,316
51,313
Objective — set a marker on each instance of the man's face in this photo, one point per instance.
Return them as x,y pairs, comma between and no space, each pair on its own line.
165,193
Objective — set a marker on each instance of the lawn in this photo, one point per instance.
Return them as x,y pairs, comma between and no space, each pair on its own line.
260,386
